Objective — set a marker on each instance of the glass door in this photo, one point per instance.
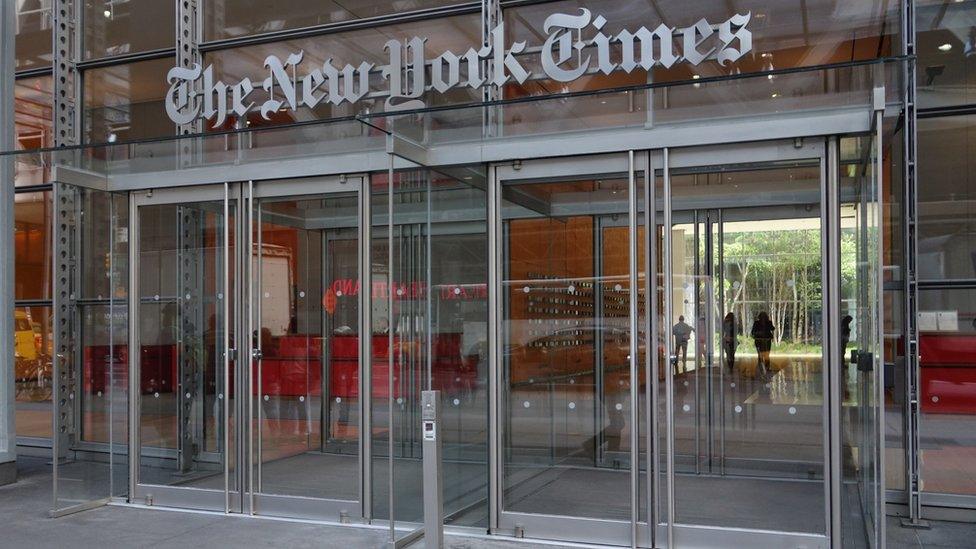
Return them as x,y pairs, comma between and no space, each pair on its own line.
278,261
859,336
747,372
184,391
565,359
304,300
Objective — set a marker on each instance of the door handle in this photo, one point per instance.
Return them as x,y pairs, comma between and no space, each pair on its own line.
865,362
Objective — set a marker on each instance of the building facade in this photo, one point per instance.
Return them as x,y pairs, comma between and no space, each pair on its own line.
692,274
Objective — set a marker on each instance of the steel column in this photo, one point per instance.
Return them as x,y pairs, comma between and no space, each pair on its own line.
66,329
67,131
491,15
190,391
67,79
189,35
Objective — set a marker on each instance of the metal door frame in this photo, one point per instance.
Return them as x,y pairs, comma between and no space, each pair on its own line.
289,506
710,271
243,499
634,164
623,165
762,155
705,221
226,500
